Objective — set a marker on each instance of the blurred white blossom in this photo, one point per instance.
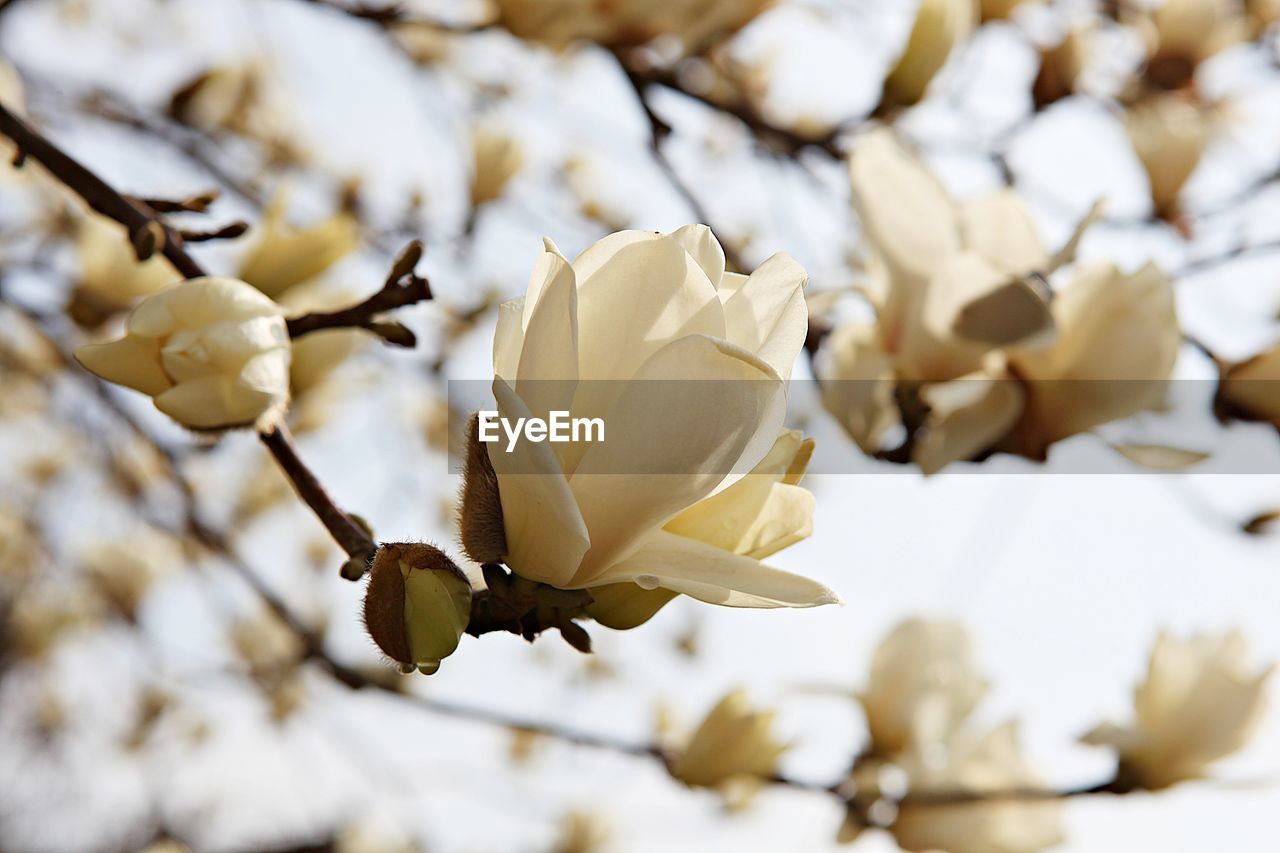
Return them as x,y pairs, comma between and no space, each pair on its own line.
1200,702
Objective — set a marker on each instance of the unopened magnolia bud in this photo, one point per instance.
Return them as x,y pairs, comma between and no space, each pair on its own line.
483,536
417,605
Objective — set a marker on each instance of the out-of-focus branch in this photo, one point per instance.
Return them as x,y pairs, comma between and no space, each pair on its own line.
1206,263
388,14
659,130
770,136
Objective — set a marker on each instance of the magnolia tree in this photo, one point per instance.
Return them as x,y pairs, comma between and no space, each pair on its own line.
295,407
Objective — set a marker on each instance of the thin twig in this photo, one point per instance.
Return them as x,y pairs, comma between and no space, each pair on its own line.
403,287
349,535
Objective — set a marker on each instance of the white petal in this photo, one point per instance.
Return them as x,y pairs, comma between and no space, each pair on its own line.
715,576
548,367
669,443
704,248
768,315
546,536
998,227
508,338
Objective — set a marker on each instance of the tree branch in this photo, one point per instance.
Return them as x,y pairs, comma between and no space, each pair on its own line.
402,287
349,535
132,214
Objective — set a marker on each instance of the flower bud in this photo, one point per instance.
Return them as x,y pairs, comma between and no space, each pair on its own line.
417,605
1201,701
733,743
213,353
285,256
1169,133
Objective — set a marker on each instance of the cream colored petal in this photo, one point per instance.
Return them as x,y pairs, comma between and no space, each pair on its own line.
1118,340
709,574
998,227
132,361
971,299
199,302
704,248
966,416
214,402
548,367
631,303
508,339
696,412
904,209
220,347
636,299
768,314
757,520
268,372
761,513
939,26
1252,388
907,217
546,536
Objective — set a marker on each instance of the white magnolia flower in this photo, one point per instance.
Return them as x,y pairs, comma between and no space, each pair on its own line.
697,23
946,273
951,286
989,764
939,26
1201,701
923,686
963,326
656,505
212,352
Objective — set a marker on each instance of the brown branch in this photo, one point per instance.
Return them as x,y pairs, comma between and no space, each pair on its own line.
770,136
403,287
1209,262
389,15
659,130
133,215
349,535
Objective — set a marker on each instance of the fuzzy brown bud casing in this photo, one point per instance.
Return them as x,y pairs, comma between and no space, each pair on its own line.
417,605
480,524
